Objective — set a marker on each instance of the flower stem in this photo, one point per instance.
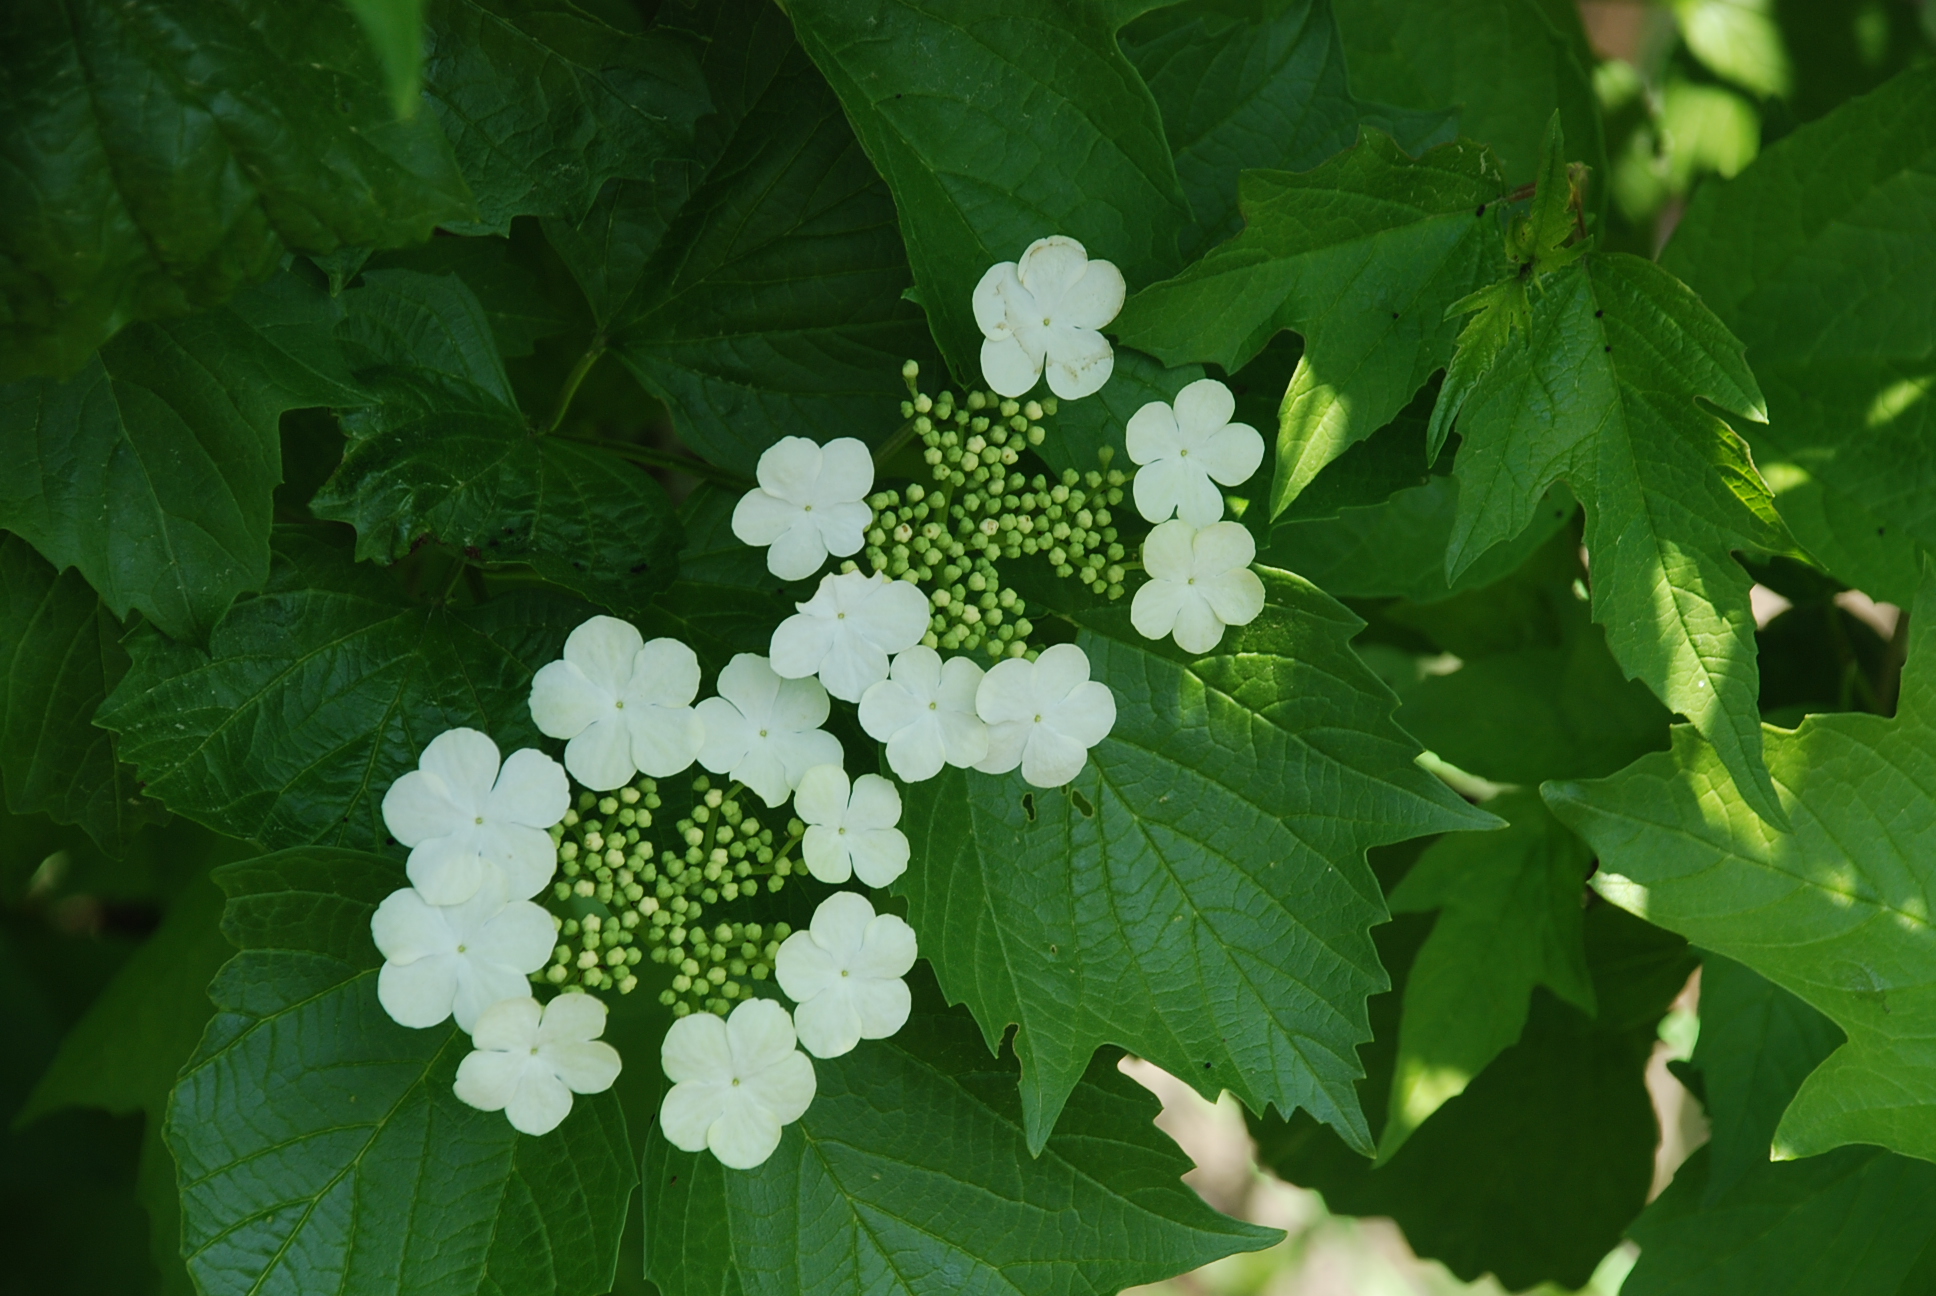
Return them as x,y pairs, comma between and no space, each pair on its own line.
573,381
892,446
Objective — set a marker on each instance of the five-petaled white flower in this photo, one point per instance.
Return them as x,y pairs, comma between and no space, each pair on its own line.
457,960
624,704
811,502
844,973
847,631
529,1061
1200,582
765,731
1186,451
1045,309
1043,715
735,1082
465,820
850,827
925,712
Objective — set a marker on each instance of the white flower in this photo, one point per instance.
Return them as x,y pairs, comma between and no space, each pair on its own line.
465,821
845,974
529,1061
850,828
1186,451
1047,308
849,628
810,503
1043,715
735,1082
1200,582
457,960
765,731
925,712
625,705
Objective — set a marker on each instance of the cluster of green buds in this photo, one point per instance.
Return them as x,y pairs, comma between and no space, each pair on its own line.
983,507
622,899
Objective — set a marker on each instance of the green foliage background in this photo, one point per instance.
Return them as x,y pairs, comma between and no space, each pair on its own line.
353,352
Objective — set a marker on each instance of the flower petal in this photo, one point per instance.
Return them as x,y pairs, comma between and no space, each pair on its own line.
880,1005
1050,266
1232,454
418,808
760,1034
1050,760
1204,406
917,752
790,469
695,1049
1222,547
1197,628
540,1104
888,707
839,925
406,928
572,1018
665,739
1059,671
525,857
803,969
665,673
854,665
1153,611
727,734
1169,554
689,1110
874,803
846,473
888,948
764,772
1092,300
418,994
828,1024
1160,485
1080,361
800,752
1236,597
1010,368
1005,744
843,527
801,643
466,761
880,854
759,518
480,984
749,683
447,869
1198,502
1004,694
823,795
531,790
1086,715
894,617
564,701
825,852
601,756
603,648
510,1024
487,1080
745,1136
993,293
585,1066
786,1087
799,551
519,936
964,739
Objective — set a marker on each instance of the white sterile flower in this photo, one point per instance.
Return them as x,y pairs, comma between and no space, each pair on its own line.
1184,452
850,827
925,712
845,974
624,704
849,628
1045,310
1200,582
529,1061
457,960
735,1082
810,503
765,731
465,819
1043,715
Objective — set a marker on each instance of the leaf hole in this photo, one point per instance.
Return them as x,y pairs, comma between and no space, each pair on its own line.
1028,805
1082,804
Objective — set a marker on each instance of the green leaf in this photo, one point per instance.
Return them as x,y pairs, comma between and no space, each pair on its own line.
162,155
447,455
1361,256
521,309
1600,392
756,290
543,101
1535,1171
396,31
1818,258
153,469
1195,895
911,1174
1509,921
996,123
321,1147
1732,1223
1508,65
1832,912
60,654
1390,460
1250,84
316,694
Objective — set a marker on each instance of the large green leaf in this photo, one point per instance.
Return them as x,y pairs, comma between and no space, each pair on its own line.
1507,65
545,100
1535,1171
1819,258
1598,388
321,1147
1835,911
1509,921
316,694
1361,256
153,469
1198,894
1733,1224
162,154
911,1174
60,654
444,453
1250,84
995,123
756,290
